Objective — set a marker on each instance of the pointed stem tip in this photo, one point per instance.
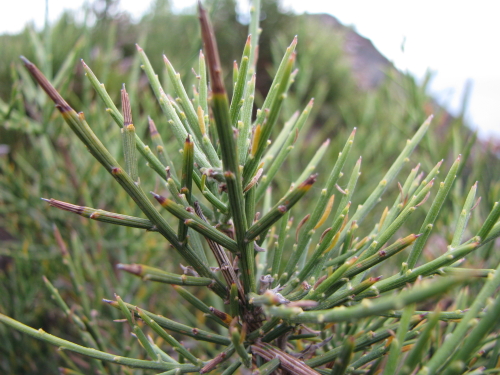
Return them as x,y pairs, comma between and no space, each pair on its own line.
25,60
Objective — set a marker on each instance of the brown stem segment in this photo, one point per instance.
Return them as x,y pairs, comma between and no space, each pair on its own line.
61,104
288,362
225,265
210,43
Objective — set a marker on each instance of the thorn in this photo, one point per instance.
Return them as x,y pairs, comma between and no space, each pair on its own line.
25,60
302,222
135,269
258,249
324,234
476,204
403,198
152,127
424,200
340,189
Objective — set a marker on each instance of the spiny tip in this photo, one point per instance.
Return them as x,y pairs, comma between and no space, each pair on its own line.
25,60
135,269
138,47
352,260
310,180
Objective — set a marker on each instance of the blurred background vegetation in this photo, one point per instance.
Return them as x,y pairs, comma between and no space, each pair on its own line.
39,157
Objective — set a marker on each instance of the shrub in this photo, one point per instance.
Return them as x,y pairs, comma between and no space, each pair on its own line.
263,297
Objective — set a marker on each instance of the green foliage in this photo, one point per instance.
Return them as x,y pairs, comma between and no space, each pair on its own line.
256,288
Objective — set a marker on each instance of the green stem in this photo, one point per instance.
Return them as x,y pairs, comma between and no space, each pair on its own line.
156,274
464,217
397,342
80,127
269,115
103,216
437,204
153,161
321,203
367,307
190,113
186,182
239,87
429,268
193,221
168,338
171,325
277,212
442,356
93,353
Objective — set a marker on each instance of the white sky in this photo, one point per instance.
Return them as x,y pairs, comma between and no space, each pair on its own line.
458,40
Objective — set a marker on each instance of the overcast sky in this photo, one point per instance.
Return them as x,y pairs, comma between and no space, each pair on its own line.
458,40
